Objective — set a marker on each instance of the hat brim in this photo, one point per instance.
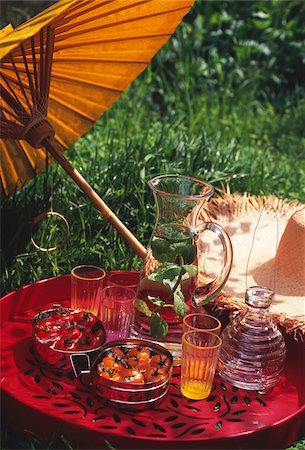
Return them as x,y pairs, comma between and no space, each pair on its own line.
256,226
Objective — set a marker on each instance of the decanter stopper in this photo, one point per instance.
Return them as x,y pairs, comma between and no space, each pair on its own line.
253,351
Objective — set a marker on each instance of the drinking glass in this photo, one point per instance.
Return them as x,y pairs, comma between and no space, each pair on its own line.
198,363
123,278
116,308
86,286
199,321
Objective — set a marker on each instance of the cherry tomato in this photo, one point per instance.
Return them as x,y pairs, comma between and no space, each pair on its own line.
133,352
160,361
47,323
75,334
132,375
70,329
68,325
88,342
116,351
155,374
139,352
143,365
101,335
108,362
46,333
105,374
117,377
144,354
90,318
65,343
100,369
114,376
98,331
78,314
61,315
132,361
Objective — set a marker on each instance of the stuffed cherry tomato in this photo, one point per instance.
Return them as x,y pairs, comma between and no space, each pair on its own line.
160,361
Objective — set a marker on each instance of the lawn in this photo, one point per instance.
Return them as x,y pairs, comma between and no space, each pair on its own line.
224,101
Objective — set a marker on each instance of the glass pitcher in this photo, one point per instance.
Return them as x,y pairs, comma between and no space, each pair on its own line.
168,287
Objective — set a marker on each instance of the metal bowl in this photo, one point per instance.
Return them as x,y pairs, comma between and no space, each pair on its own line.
64,360
131,395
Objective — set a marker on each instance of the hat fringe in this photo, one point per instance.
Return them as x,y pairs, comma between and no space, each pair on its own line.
234,205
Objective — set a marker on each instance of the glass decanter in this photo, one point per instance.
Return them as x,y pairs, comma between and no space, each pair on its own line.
170,274
253,350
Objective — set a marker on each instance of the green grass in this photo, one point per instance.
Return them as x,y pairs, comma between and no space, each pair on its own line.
251,147
223,101
211,104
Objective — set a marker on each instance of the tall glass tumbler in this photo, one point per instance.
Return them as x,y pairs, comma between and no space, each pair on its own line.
87,283
123,278
198,363
116,309
200,321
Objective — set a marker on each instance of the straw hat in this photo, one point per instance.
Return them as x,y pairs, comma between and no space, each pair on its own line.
268,240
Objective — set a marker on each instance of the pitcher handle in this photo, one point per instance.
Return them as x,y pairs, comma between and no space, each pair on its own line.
203,294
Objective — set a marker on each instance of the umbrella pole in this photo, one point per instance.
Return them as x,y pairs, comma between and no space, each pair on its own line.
99,204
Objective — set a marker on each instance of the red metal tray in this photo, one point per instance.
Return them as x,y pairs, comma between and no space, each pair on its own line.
43,401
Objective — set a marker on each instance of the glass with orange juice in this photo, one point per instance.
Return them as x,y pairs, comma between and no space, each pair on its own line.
198,363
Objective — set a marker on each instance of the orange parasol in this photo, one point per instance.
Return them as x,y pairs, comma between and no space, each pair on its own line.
61,70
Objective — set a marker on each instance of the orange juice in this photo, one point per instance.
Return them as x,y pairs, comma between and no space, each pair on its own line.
198,363
195,390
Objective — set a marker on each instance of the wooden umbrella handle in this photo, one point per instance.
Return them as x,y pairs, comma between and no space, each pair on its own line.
99,204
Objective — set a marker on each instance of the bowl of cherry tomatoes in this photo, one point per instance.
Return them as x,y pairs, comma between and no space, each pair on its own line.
64,337
132,373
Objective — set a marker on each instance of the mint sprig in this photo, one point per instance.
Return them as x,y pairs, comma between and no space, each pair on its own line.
158,326
176,256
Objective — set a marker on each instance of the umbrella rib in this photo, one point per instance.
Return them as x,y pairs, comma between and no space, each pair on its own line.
109,13
73,79
11,113
107,41
76,7
48,60
74,109
41,61
59,141
30,80
16,106
34,64
64,124
61,37
20,82
96,60
85,82
102,27
86,59
31,161
4,77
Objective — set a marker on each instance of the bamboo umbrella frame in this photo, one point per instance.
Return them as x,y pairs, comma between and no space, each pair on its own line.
25,117
77,57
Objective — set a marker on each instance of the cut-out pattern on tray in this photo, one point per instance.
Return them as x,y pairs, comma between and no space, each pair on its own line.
176,417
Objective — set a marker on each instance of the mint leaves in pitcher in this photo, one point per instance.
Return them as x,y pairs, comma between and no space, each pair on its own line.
167,291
